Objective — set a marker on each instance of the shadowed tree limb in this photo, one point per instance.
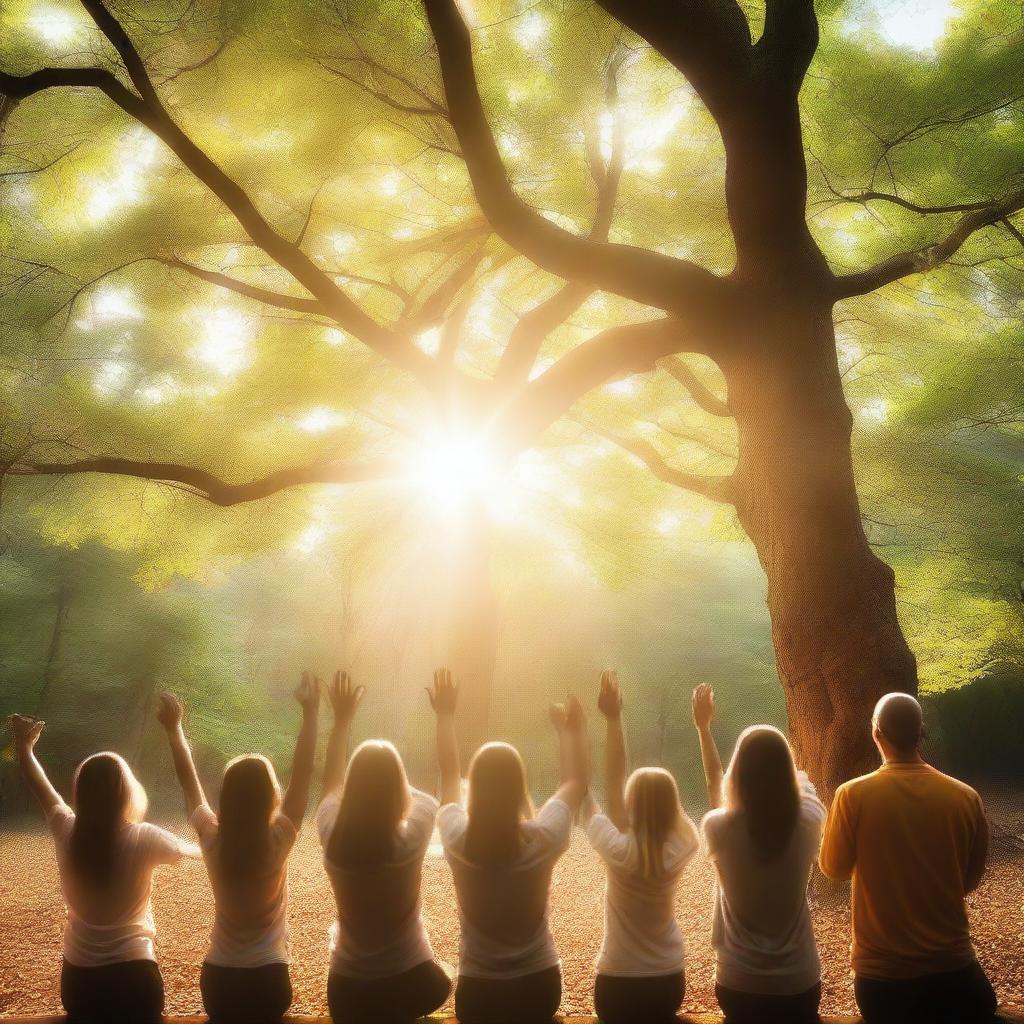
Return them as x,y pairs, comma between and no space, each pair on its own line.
665,282
270,298
705,398
717,488
210,487
929,257
148,111
611,354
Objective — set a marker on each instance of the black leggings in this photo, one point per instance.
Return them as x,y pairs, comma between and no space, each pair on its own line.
954,997
131,992
626,1000
531,999
399,999
245,995
749,1008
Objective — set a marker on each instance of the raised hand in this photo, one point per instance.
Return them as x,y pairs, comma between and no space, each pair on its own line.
169,711
703,706
444,694
26,731
307,693
609,699
568,716
345,697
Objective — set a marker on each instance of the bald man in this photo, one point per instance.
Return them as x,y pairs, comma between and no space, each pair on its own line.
915,842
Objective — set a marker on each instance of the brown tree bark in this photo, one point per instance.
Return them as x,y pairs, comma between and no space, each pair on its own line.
473,630
838,642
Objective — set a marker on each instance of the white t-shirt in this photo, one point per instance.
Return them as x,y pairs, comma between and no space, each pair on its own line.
379,930
762,931
250,924
114,923
641,934
503,910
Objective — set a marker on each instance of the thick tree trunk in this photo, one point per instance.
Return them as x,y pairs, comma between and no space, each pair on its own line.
838,642
473,630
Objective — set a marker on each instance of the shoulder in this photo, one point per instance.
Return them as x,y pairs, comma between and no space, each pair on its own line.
451,822
422,804
204,821
959,790
327,814
554,817
603,834
854,790
60,820
714,824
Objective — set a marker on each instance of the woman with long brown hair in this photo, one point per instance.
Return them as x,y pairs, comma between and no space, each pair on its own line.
246,844
106,855
645,840
502,857
762,836
375,830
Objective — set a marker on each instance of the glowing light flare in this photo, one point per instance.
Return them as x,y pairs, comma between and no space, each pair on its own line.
913,24
134,156
55,26
875,410
321,419
454,467
224,344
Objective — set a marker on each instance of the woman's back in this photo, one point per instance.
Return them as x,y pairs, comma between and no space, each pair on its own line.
250,925
504,906
641,934
111,921
762,930
379,931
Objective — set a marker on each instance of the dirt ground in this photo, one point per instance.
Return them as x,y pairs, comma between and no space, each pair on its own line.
32,919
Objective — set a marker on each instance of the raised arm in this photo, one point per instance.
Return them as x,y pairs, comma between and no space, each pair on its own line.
444,695
26,734
609,703
345,700
307,693
571,726
703,716
170,714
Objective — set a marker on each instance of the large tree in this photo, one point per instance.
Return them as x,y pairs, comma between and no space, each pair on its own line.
760,307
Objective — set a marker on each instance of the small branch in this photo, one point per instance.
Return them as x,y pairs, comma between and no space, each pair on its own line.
208,486
717,488
919,261
705,398
295,303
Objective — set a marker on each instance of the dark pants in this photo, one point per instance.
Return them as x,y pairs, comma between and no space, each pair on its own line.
955,997
749,1008
628,1000
131,992
531,999
245,995
396,1000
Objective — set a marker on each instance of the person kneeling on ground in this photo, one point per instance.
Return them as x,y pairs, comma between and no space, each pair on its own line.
106,855
915,842
645,840
375,831
245,977
762,839
501,858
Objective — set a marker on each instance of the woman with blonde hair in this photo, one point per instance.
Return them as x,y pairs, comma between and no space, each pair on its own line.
375,830
245,979
762,836
106,855
645,840
502,857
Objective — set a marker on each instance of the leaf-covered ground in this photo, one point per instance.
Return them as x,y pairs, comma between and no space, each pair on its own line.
30,928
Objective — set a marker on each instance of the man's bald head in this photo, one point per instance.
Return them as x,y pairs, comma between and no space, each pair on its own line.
899,721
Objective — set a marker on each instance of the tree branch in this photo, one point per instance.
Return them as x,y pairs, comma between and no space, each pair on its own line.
918,261
208,486
665,282
611,354
717,488
149,112
708,41
705,398
270,298
789,40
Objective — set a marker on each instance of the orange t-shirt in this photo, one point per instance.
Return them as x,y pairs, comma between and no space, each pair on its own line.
908,836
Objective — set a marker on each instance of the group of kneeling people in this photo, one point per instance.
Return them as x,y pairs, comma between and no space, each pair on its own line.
913,839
